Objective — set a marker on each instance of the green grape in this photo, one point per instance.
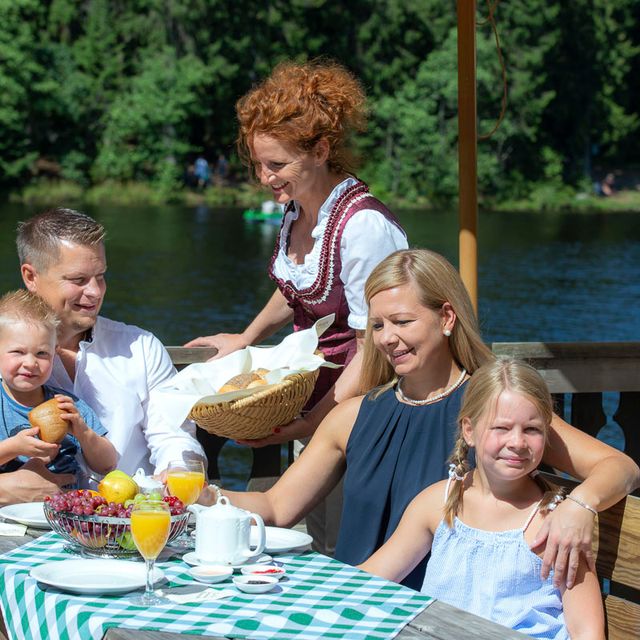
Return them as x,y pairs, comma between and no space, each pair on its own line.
126,541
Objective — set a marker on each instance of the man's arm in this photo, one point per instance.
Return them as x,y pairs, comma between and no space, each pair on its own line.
166,441
31,483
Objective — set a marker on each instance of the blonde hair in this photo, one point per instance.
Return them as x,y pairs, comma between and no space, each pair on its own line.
302,103
38,240
27,307
435,281
479,401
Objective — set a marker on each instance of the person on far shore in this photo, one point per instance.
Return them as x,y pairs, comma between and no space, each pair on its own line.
487,516
421,348
27,348
296,131
607,186
202,172
110,365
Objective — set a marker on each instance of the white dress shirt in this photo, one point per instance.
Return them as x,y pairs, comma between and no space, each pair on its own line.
115,371
367,239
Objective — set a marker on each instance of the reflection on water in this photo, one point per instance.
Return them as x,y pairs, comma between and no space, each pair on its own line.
182,272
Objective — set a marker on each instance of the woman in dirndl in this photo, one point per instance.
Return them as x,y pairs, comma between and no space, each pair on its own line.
296,130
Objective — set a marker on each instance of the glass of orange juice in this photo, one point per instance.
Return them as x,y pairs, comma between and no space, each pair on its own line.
150,526
185,479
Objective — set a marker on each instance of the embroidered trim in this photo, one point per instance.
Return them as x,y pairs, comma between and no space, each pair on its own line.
319,291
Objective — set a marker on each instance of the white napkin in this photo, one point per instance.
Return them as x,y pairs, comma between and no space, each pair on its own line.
200,382
10,529
194,594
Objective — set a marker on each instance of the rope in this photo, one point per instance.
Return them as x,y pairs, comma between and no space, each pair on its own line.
491,7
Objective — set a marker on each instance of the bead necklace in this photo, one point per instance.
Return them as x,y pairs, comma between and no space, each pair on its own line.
438,396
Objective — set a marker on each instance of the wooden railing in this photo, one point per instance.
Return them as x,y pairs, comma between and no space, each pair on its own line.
578,373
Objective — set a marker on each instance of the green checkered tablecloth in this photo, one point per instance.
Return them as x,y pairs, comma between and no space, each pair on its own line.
321,598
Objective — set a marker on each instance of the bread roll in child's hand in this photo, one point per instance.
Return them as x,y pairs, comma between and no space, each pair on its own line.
46,417
245,381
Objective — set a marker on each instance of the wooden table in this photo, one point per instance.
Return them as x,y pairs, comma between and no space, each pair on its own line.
439,621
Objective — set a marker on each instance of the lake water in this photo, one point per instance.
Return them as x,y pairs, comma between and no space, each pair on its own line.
182,272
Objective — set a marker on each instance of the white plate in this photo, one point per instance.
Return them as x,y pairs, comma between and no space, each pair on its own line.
94,577
281,540
192,559
28,513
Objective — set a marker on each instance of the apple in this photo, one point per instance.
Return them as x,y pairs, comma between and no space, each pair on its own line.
117,486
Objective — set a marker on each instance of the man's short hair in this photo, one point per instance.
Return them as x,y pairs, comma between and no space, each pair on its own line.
27,307
39,238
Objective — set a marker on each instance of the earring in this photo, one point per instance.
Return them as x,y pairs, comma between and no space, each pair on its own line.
447,332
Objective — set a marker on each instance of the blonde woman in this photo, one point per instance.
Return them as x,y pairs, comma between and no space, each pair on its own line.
421,347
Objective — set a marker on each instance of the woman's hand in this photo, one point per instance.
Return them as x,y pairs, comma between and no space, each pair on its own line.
298,428
568,532
225,343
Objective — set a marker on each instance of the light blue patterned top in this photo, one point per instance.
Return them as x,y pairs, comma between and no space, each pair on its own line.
494,574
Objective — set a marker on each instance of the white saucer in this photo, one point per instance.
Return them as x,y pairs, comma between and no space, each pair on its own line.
192,559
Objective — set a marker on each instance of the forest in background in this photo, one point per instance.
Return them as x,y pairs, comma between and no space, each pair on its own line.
115,91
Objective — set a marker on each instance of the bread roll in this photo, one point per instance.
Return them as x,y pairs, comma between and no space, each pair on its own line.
46,417
245,381
226,388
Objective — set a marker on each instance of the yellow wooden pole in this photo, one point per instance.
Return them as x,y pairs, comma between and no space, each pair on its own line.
467,148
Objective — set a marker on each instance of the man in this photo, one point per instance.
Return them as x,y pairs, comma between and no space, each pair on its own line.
110,365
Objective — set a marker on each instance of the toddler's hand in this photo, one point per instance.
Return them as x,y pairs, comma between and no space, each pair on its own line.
77,426
26,444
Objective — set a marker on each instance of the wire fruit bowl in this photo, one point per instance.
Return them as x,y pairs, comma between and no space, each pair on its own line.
101,536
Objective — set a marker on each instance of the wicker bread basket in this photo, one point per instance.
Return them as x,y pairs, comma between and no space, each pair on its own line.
256,415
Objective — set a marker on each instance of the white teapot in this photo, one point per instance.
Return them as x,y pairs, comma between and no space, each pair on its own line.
223,533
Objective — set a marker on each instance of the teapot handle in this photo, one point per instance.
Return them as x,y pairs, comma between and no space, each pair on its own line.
262,535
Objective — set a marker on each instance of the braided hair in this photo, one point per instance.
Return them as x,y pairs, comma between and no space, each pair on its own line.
480,398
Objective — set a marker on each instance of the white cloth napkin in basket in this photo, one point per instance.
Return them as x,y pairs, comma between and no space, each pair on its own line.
198,383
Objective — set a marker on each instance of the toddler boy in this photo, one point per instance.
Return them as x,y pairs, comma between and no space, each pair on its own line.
27,348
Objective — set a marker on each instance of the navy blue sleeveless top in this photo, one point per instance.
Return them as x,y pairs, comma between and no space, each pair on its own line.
395,450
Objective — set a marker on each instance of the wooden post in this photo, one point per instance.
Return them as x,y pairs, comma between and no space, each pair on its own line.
467,148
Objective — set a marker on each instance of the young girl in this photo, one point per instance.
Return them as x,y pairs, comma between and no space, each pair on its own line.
479,524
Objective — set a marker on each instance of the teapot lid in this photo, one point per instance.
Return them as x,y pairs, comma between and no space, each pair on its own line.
224,508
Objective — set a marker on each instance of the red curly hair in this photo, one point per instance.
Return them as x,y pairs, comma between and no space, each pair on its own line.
300,104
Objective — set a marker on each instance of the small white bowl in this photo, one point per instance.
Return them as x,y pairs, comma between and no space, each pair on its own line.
262,583
264,570
210,573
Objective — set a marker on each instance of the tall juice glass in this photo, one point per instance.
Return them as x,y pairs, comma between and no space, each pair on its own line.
150,526
185,480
